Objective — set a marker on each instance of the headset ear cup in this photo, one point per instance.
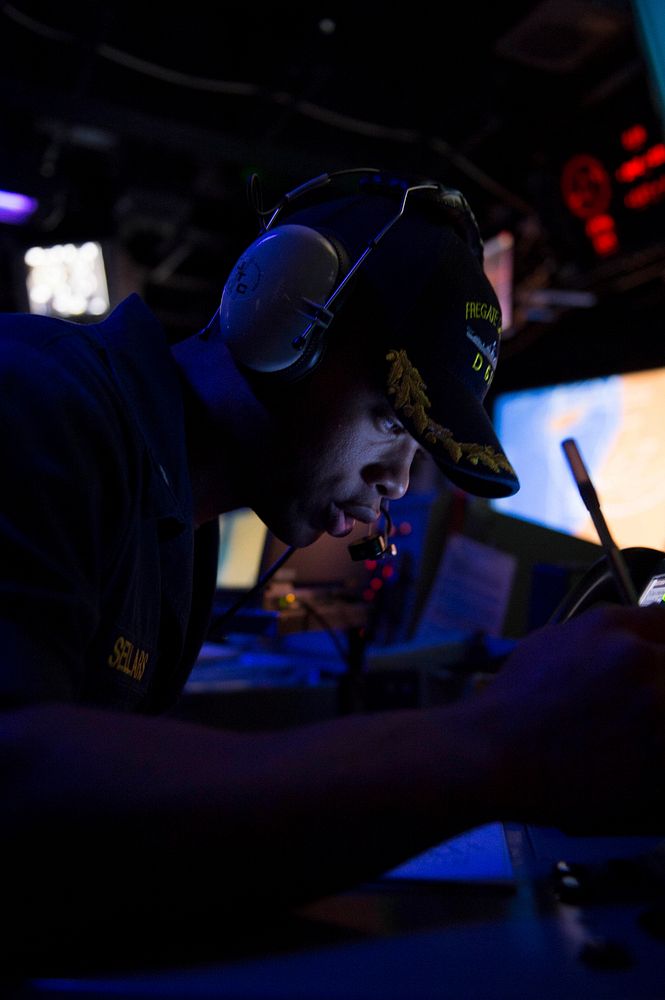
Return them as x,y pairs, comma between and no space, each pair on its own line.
268,299
317,340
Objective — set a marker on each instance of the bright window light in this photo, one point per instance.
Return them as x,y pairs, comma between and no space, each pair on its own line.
67,280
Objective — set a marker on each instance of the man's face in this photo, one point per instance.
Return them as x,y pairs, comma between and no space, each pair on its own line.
339,451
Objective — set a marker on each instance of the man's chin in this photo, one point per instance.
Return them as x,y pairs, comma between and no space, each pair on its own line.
301,535
307,538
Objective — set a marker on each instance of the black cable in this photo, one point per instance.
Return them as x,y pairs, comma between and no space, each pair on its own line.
248,595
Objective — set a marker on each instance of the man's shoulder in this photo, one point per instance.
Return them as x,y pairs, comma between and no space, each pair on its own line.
54,371
35,329
41,355
25,330
106,383
37,347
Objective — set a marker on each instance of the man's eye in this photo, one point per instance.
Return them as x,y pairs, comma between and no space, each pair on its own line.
386,421
392,426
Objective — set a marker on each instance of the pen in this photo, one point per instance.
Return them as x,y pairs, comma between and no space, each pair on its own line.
587,491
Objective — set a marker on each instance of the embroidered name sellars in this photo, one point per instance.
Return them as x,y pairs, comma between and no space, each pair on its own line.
128,658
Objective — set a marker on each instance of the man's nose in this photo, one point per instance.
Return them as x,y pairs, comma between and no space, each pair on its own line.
391,477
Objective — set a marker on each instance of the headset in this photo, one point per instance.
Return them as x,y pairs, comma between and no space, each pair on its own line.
283,292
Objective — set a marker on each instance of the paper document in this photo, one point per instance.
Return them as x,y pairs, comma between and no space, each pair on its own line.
471,589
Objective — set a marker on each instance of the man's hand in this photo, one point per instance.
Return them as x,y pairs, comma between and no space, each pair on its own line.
579,710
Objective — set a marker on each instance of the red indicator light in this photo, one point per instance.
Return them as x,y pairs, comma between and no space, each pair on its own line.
634,137
387,572
605,243
370,564
655,157
376,583
599,224
645,194
638,166
405,528
602,233
586,186
631,170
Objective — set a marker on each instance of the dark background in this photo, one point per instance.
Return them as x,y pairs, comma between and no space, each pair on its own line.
139,124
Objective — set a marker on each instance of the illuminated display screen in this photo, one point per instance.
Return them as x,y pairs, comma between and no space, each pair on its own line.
242,541
617,422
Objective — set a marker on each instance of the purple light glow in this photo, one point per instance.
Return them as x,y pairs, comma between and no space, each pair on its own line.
16,208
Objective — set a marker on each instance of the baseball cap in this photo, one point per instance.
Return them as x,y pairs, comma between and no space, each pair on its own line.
436,340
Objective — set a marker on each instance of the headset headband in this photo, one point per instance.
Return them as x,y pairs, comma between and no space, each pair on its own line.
281,295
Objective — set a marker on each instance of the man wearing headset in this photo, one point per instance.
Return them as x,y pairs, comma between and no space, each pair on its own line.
357,331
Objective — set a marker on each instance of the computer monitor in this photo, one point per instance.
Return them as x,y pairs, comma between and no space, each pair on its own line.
242,546
617,422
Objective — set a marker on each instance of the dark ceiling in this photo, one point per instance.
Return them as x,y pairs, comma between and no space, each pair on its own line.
138,125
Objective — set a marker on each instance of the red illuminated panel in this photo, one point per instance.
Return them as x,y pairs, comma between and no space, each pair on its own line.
633,183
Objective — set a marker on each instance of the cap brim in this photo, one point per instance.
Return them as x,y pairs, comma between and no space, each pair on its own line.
472,457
